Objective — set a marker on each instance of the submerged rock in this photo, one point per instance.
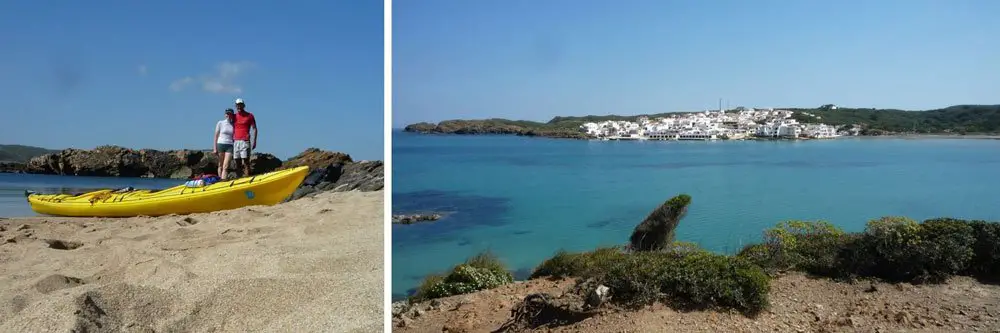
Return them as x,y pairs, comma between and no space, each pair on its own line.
415,218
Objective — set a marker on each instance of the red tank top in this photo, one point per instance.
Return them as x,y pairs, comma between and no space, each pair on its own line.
241,126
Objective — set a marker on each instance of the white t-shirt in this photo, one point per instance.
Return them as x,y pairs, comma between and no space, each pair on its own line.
225,130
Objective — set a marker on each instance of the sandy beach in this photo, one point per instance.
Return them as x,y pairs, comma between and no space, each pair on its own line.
310,265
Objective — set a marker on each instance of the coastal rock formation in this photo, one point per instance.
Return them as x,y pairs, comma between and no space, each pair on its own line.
12,167
330,171
415,218
335,171
115,161
657,231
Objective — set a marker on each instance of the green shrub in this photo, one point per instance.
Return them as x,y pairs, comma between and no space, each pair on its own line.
682,275
899,249
814,247
587,264
695,280
945,248
889,249
986,250
482,271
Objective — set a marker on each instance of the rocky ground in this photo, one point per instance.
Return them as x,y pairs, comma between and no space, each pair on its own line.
798,304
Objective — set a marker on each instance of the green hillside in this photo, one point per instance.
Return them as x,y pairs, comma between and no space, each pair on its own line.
21,153
954,119
959,119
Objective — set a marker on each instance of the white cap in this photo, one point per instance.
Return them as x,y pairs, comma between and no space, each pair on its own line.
239,101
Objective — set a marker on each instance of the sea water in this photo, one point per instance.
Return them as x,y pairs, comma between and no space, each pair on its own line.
523,198
12,187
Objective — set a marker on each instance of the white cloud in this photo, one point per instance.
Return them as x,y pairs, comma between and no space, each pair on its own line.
143,70
179,84
224,80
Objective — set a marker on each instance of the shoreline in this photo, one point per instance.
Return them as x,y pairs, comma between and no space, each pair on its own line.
246,269
885,136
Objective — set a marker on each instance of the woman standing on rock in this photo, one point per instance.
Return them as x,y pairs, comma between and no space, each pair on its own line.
223,147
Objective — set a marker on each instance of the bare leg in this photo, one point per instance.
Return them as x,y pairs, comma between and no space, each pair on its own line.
239,166
225,164
246,167
219,170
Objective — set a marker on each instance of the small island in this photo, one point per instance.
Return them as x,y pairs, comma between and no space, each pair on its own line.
827,121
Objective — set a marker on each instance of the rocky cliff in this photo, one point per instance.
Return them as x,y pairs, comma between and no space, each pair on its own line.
334,171
330,171
12,167
114,161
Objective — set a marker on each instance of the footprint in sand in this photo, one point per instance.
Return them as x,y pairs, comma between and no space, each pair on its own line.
63,245
187,221
57,282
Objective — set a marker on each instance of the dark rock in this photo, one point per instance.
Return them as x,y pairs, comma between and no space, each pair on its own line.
335,171
159,164
657,231
13,167
263,163
414,218
114,161
317,159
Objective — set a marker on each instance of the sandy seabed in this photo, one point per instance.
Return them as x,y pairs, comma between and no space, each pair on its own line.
310,265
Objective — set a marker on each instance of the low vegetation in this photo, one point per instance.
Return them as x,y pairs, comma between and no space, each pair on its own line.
683,276
896,249
483,271
655,268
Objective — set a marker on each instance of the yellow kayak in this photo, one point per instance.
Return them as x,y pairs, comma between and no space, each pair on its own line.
265,189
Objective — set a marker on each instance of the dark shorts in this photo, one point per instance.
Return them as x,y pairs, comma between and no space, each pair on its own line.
224,147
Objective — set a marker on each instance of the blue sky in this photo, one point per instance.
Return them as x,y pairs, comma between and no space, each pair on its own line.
538,59
158,74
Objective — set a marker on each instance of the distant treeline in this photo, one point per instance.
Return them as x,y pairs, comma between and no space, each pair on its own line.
20,153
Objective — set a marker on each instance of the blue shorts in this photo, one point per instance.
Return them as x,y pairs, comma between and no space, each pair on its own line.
224,147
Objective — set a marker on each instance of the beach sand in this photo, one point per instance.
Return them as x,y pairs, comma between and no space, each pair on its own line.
310,265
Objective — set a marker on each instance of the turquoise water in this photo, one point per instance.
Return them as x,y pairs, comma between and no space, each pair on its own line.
526,198
12,186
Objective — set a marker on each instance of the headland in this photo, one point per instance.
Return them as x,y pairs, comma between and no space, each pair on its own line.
827,121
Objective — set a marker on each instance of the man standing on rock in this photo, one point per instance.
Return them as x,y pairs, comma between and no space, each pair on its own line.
242,146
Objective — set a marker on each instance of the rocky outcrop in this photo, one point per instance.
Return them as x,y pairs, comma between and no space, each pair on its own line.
335,171
657,230
12,167
114,161
330,171
415,218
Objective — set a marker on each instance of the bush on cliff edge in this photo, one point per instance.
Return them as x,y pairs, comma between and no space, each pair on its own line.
682,276
483,271
891,248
